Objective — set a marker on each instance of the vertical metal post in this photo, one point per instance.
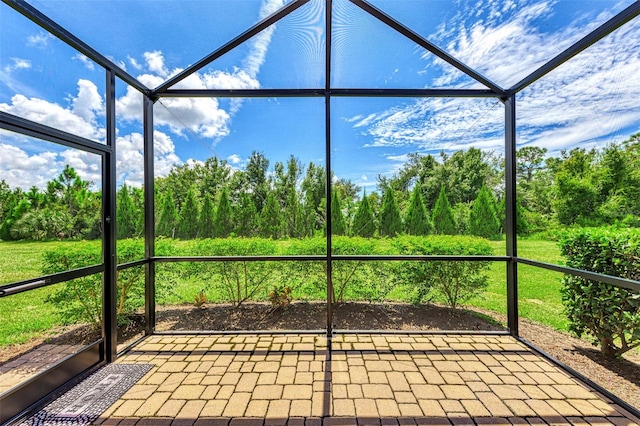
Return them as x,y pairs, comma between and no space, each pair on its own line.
510,206
109,233
327,112
149,218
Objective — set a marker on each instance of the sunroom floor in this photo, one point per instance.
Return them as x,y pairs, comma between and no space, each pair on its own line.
271,379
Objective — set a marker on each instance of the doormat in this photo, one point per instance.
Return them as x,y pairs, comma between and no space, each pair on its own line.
83,403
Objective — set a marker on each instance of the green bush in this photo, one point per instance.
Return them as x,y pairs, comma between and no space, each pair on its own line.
352,280
237,281
451,282
80,300
609,315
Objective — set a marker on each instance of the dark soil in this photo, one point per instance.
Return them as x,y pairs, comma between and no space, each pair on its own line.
621,377
313,316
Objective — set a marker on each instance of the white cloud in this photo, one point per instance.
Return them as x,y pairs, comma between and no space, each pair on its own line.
134,63
16,85
19,168
78,120
202,116
89,103
130,157
155,63
234,159
40,40
88,63
18,64
591,98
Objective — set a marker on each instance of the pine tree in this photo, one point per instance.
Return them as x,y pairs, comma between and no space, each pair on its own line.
417,222
126,215
245,217
338,224
522,225
188,218
207,217
294,216
443,218
390,221
483,220
168,220
363,221
270,223
222,223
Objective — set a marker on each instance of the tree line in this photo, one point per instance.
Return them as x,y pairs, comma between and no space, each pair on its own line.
461,193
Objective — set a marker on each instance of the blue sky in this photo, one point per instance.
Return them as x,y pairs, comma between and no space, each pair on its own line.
590,101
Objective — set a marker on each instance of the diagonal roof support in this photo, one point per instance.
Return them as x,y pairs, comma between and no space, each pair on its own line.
57,30
593,37
426,44
268,21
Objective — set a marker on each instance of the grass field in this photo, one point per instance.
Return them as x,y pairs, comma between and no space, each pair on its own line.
25,315
538,289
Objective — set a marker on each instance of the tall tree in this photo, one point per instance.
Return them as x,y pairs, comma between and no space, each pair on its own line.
294,217
168,220
67,186
529,159
522,224
213,175
483,220
576,198
313,187
245,217
363,221
443,218
270,218
338,224
390,221
285,181
188,217
417,221
207,215
222,223
256,172
126,215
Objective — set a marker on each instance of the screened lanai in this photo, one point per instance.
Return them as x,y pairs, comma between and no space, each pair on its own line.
278,205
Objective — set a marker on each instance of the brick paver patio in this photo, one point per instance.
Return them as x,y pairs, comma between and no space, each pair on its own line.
20,369
364,379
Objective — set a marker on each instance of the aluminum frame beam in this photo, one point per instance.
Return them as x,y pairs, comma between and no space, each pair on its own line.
594,276
335,92
40,131
511,214
149,218
109,231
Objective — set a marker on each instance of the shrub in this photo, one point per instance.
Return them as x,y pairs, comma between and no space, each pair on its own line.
609,315
363,221
80,300
444,222
416,221
483,220
352,280
452,282
237,281
390,221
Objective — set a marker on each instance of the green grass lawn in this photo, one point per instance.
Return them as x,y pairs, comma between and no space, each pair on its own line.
538,289
25,315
